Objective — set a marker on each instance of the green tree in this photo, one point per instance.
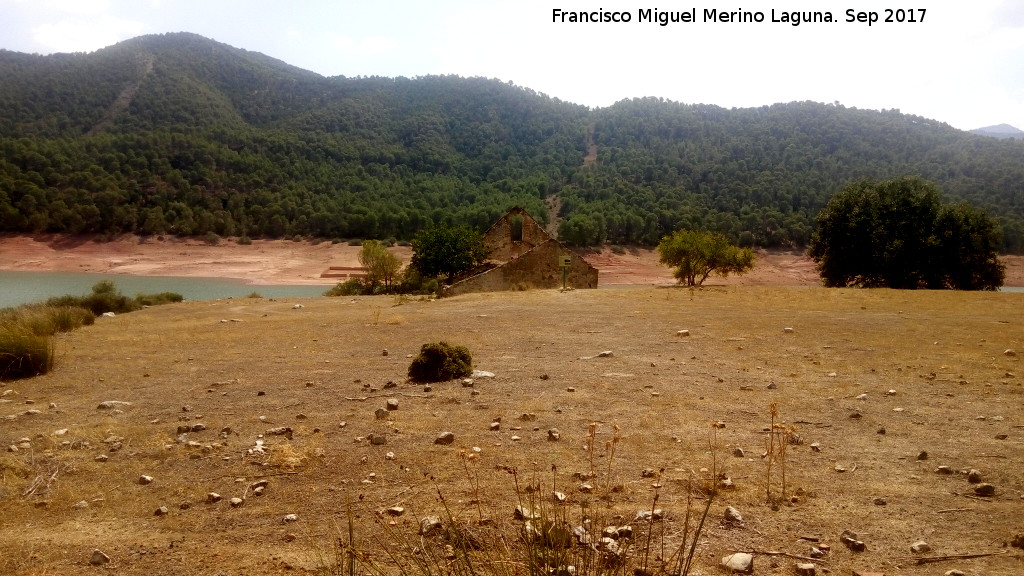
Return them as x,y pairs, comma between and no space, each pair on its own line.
696,255
446,251
898,234
381,265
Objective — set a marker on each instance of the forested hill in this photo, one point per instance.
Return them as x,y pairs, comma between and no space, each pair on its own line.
180,134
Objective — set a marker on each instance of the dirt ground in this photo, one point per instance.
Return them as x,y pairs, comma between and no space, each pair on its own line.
288,262
865,381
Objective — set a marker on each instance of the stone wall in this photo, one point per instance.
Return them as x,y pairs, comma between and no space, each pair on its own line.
504,246
537,268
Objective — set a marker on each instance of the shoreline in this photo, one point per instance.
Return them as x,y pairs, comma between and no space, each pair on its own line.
291,263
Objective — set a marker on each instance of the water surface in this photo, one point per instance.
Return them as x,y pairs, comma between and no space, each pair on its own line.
24,287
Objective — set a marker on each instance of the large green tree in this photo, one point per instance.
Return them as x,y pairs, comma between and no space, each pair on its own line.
898,234
446,251
696,255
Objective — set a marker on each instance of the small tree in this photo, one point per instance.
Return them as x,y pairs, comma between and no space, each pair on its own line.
446,251
381,265
696,255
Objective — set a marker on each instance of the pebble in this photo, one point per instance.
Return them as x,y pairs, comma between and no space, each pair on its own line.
213,498
739,563
805,569
236,502
392,404
98,558
974,477
161,511
985,490
920,547
290,518
850,540
554,435
445,438
145,479
429,524
738,452
732,515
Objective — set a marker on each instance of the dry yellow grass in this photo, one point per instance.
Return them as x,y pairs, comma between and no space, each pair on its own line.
208,362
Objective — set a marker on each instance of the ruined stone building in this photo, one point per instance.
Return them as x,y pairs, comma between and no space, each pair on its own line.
524,256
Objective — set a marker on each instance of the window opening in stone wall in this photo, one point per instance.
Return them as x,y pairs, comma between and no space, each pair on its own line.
517,229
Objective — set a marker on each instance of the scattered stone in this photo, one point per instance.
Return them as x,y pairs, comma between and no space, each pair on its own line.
145,479
944,470
570,389
880,502
101,458
290,518
112,404
467,382
554,435
445,438
1009,352
648,473
280,431
788,330
161,511
1018,540
985,490
772,386
481,374
380,414
1002,436
974,476
98,558
856,415
849,539
605,354
560,497
955,572
378,439
392,404
297,306
184,506
881,431
80,505
816,447
862,397
891,392
732,515
738,452
817,552
495,426
384,352
523,513
726,484
739,563
586,488
922,455
683,333
213,498
429,525
428,388
805,569
920,547
236,502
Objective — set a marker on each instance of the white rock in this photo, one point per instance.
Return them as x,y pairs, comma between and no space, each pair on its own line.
739,563
291,518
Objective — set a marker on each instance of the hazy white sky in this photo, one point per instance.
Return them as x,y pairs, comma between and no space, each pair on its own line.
963,64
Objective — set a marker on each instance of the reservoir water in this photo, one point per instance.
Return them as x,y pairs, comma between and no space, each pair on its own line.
24,287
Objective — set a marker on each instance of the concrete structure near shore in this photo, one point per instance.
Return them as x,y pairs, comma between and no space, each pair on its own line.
523,256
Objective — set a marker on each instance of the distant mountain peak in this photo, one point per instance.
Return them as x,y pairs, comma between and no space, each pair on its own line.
1000,131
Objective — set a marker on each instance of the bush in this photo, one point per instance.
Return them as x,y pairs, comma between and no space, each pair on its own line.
24,354
440,361
350,287
158,299
244,240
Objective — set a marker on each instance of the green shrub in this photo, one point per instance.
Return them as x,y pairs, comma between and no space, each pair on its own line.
24,354
350,287
355,242
440,361
68,318
157,299
244,240
212,238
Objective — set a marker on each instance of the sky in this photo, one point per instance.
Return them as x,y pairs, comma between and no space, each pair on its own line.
962,63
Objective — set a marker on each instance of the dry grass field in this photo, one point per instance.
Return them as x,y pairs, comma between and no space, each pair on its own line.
244,367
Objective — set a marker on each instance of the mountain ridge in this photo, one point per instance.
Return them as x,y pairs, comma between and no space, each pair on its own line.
181,134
